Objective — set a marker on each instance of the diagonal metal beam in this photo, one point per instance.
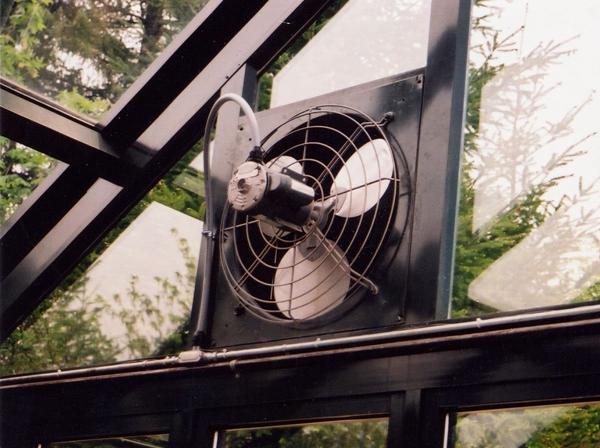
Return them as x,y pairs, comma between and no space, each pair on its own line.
189,54
25,286
207,52
264,31
40,212
141,110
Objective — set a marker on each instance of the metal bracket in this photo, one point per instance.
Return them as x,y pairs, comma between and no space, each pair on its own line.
209,234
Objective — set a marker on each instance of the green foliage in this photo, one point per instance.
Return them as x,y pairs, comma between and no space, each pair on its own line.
577,428
20,38
66,334
591,293
21,170
363,434
573,426
67,331
91,48
477,251
77,102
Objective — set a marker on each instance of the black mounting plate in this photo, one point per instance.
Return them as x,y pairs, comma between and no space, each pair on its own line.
401,95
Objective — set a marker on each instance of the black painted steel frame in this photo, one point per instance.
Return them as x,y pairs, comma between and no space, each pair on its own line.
109,166
114,163
417,383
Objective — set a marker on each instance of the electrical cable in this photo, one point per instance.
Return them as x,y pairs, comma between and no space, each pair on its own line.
210,230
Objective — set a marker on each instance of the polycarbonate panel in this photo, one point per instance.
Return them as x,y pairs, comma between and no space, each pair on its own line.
353,42
529,219
130,298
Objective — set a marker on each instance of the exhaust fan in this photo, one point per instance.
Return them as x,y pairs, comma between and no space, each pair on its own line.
302,228
312,221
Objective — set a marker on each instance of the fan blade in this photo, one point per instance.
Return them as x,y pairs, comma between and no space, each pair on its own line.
283,162
307,286
363,179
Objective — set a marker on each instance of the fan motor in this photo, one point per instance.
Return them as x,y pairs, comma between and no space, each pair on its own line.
277,196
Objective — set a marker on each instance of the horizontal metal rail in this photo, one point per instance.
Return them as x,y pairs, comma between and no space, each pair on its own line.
193,358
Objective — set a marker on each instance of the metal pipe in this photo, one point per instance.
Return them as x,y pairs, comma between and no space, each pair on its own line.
113,368
210,229
199,356
342,342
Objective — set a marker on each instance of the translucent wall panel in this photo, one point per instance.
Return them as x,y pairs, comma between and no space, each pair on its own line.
129,298
364,41
529,229
143,283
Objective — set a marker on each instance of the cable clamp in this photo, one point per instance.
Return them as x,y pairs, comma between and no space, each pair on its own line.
209,234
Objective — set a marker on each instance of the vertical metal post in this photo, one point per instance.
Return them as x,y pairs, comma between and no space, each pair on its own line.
396,428
440,145
411,423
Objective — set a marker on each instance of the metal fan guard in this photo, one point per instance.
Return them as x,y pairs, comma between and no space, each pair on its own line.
240,260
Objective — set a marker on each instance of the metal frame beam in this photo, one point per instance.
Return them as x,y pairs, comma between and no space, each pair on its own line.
114,150
492,369
42,126
189,54
54,197
218,41
440,151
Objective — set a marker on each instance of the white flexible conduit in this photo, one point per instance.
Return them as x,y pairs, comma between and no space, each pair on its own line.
210,230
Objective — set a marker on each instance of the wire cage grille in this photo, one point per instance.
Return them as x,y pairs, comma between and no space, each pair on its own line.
289,277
